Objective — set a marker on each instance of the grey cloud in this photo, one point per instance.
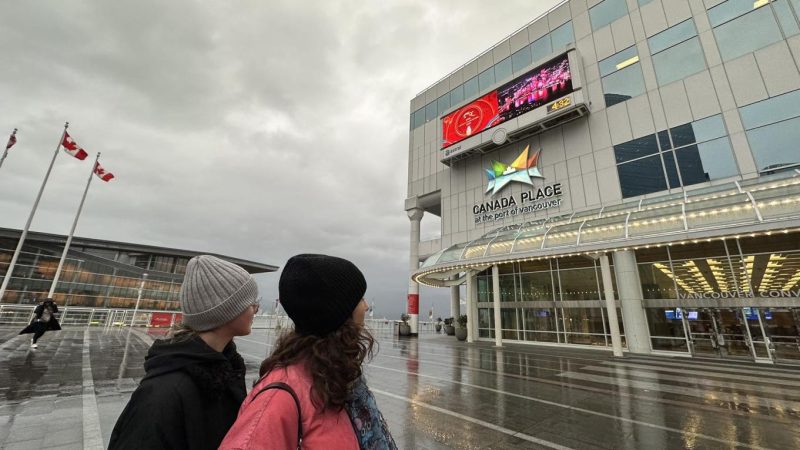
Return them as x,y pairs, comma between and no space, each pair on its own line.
250,128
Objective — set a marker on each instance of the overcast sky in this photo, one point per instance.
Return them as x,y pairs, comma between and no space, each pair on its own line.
256,129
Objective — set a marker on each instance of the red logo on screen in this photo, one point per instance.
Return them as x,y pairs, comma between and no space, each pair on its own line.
469,120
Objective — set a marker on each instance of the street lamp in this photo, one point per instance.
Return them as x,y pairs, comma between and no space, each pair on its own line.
138,299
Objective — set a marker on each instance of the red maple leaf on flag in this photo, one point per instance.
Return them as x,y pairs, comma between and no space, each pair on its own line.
102,173
11,141
72,148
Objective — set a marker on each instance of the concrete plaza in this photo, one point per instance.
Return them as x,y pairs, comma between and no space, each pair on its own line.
436,393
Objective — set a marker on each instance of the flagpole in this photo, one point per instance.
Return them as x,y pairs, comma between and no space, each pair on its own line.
7,277
72,231
5,152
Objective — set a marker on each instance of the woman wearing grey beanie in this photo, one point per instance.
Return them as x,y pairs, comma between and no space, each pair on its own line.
194,382
312,394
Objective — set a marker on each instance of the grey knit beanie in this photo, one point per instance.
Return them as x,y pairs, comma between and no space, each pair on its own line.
214,292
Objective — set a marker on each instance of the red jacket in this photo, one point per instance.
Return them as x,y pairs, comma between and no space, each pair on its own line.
270,420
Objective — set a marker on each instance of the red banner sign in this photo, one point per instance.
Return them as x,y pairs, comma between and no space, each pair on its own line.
163,319
413,303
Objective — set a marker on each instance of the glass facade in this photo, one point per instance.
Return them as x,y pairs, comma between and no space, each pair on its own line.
558,300
740,296
737,296
773,130
744,26
92,276
688,154
606,12
622,77
677,52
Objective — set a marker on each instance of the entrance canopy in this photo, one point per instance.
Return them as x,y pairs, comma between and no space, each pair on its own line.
763,205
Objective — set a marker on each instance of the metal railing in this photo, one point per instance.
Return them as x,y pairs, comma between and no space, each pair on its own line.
78,316
83,316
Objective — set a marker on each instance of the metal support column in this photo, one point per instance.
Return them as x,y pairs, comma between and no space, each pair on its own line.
498,332
611,305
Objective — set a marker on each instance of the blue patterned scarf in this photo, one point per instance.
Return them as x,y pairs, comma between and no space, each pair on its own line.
368,422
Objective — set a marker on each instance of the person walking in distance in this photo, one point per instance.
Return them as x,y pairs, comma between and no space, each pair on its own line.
44,319
312,393
194,382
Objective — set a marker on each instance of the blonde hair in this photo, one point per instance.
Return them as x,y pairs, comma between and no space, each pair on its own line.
182,333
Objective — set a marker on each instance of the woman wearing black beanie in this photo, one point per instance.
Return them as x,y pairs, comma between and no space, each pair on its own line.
312,394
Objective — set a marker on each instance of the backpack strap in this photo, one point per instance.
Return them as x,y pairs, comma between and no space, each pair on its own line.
287,388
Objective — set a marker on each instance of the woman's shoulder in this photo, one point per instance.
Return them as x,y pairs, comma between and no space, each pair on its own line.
171,387
295,376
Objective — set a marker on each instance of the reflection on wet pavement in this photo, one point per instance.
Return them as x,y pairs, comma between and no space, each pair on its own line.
438,393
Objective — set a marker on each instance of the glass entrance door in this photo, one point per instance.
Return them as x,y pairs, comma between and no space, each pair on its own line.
703,334
757,334
724,333
780,325
758,338
734,334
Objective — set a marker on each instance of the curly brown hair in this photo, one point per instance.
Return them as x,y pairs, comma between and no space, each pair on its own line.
334,360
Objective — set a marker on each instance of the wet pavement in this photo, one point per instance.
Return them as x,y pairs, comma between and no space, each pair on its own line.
436,393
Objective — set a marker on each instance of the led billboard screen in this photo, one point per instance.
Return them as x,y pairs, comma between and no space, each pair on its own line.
534,89
470,119
522,94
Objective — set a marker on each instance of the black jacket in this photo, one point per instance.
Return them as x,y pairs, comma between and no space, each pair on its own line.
188,399
35,324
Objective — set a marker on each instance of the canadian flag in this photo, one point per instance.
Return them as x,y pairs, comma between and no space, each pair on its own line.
72,148
12,140
102,173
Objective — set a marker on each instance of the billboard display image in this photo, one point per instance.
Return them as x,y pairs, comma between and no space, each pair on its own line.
534,89
522,94
470,119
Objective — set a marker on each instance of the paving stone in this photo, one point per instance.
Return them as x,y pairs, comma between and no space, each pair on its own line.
69,436
23,445
437,393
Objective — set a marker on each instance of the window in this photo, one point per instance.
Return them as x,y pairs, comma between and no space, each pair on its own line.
677,52
743,26
502,70
555,41
163,263
443,103
142,261
606,12
636,148
688,154
642,176
786,17
562,36
431,111
703,151
773,130
521,58
471,88
486,79
541,48
707,161
457,95
621,76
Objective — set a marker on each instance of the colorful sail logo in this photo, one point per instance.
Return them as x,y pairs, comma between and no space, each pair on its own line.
521,170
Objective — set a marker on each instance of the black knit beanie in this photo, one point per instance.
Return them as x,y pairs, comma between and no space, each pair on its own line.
320,292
